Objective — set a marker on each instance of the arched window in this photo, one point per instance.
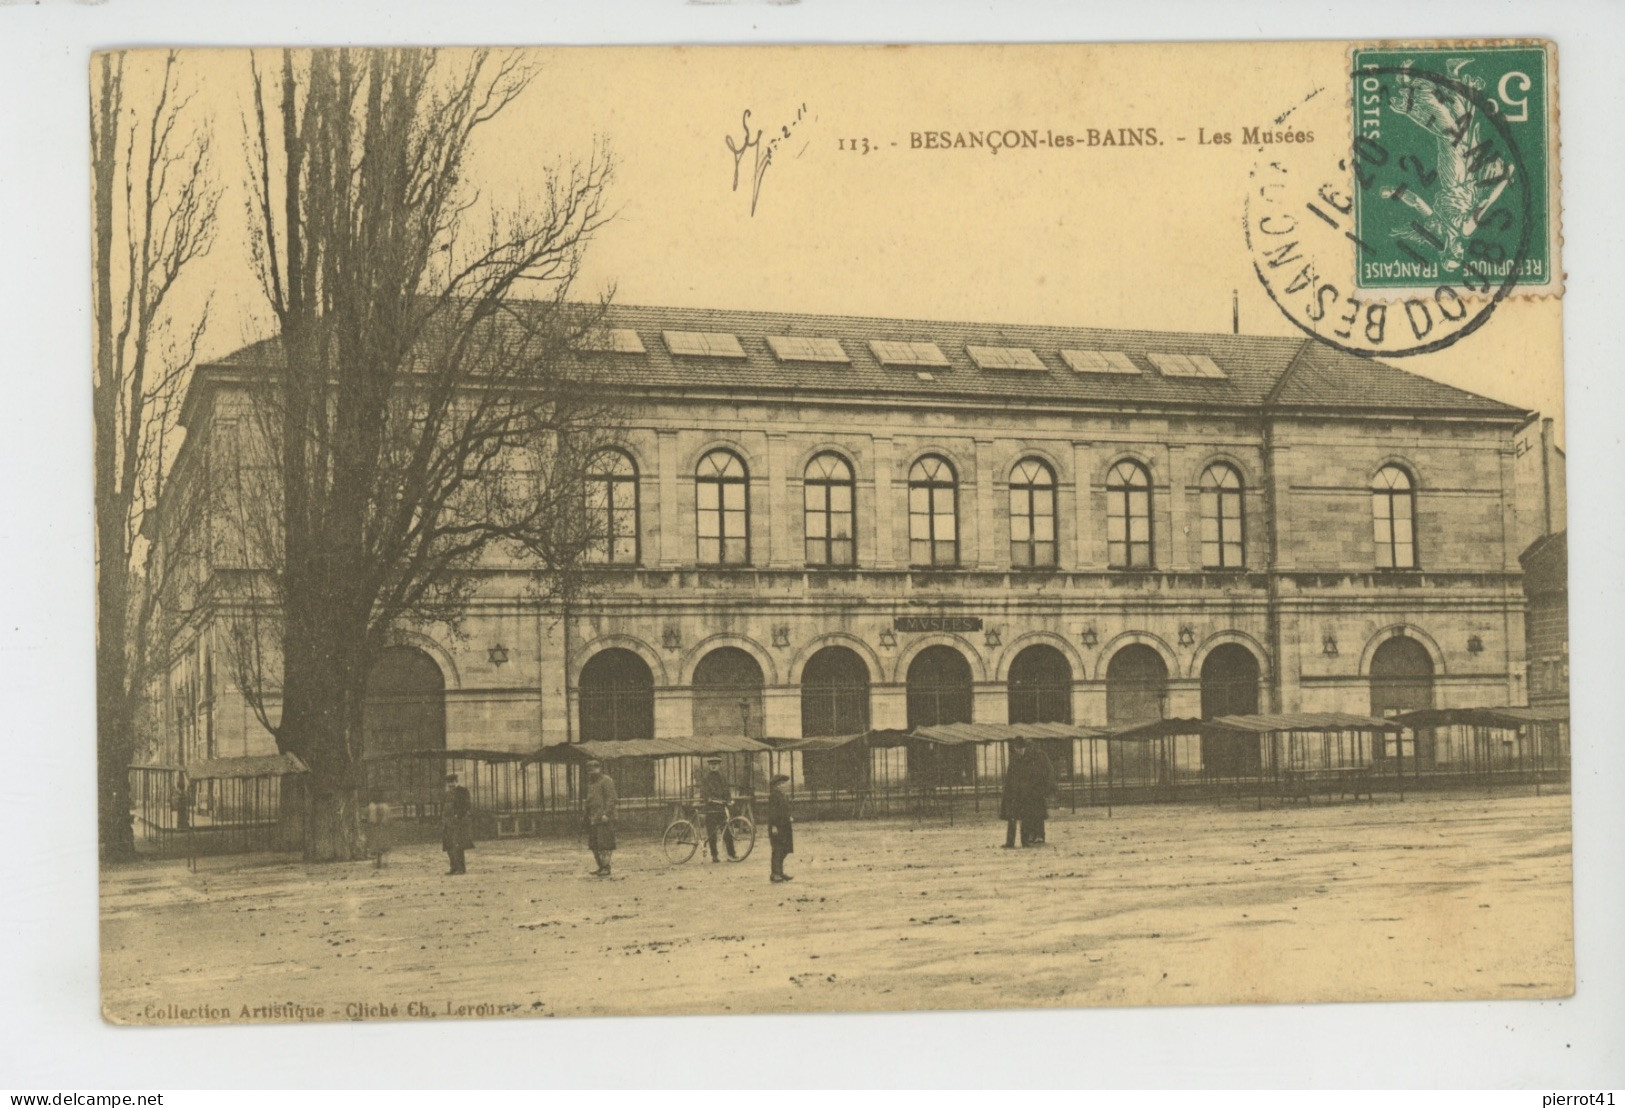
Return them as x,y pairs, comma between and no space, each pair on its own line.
1040,688
1128,516
834,693
404,711
1136,689
834,701
1402,681
405,703
722,504
1401,677
933,513
828,498
1032,514
728,694
1230,688
939,688
1393,518
612,508
1040,691
618,702
1221,518
617,697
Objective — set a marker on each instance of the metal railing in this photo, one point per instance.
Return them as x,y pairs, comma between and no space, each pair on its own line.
520,795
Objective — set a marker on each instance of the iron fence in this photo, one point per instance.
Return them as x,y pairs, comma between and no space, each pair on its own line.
175,813
517,794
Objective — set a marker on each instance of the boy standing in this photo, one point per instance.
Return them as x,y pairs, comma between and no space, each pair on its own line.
780,832
601,802
456,825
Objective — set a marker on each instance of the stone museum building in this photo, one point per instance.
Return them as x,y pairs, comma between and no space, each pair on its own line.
824,524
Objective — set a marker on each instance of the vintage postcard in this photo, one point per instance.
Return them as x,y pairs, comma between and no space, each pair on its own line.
652,531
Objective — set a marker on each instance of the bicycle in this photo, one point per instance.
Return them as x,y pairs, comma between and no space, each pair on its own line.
686,832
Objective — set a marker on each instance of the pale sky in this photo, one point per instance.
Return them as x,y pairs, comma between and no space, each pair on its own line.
1135,237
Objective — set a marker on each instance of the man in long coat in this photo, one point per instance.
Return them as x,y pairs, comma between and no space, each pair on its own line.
1038,782
456,824
600,813
1025,802
780,827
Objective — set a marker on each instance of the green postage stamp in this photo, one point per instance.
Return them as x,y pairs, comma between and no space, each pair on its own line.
1455,169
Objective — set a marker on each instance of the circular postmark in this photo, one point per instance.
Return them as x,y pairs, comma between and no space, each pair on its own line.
1459,214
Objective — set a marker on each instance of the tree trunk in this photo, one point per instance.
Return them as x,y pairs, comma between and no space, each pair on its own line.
321,723
333,831
115,722
115,714
115,749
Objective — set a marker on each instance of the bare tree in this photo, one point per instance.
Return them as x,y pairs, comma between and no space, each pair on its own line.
425,419
153,211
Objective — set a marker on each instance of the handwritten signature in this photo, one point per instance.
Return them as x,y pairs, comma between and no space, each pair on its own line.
764,151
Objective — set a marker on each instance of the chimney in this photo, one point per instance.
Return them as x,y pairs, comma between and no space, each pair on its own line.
1546,473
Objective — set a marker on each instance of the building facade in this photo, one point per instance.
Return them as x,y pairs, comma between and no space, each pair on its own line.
821,525
1546,583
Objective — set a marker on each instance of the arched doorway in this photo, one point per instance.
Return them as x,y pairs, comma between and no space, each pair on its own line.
1401,681
1230,688
728,694
834,701
618,703
404,710
617,697
1136,689
940,691
1040,691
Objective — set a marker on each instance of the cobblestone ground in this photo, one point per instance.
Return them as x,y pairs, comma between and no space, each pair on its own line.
1437,897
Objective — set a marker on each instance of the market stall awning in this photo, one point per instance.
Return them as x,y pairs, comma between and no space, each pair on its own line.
1501,717
819,742
456,754
609,749
881,736
1153,728
954,734
258,765
1301,721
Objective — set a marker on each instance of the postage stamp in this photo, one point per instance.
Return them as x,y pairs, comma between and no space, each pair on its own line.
1442,204
1449,143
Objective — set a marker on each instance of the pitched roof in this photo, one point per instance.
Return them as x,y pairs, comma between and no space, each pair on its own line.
1546,563
1290,374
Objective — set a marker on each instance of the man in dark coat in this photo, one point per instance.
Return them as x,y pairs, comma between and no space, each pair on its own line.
600,813
780,831
716,795
1025,801
1007,799
456,824
1038,782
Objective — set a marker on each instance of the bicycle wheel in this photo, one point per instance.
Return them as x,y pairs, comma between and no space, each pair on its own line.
680,841
744,836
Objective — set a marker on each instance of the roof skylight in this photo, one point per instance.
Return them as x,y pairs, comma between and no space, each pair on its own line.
907,353
1186,365
615,340
1099,361
1004,357
796,348
703,344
